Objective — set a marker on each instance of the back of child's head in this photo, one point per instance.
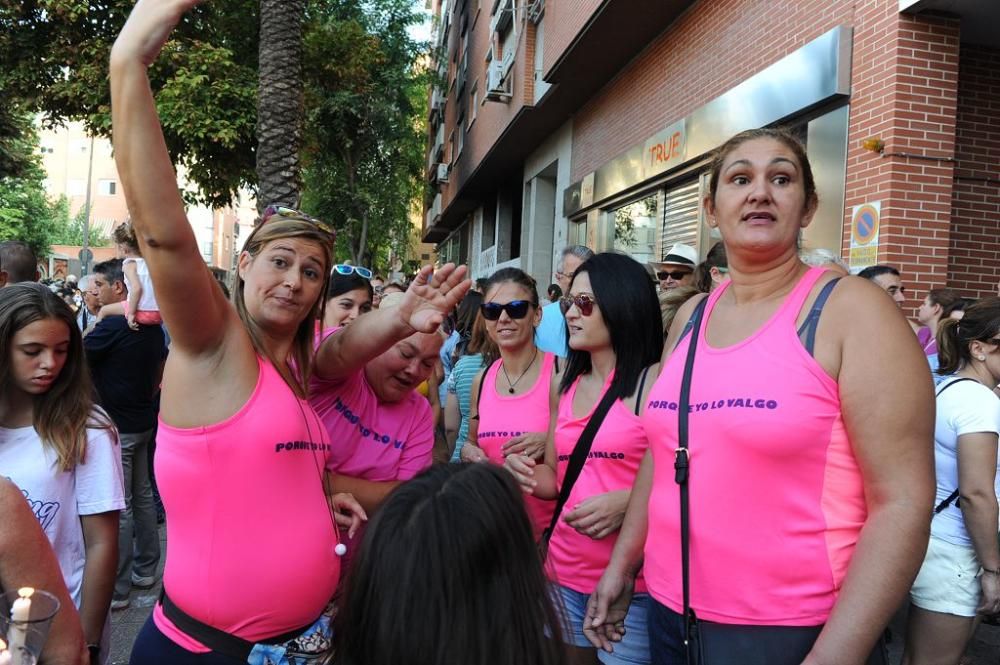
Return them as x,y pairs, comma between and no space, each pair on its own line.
124,234
448,572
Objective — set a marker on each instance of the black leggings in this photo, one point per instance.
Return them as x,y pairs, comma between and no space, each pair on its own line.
154,648
744,645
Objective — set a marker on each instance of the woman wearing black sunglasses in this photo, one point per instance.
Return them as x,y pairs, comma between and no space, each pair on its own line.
510,398
613,318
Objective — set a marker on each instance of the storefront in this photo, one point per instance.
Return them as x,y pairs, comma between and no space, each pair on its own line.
650,197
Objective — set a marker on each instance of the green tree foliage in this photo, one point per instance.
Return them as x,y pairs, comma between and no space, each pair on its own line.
54,56
25,211
365,105
70,231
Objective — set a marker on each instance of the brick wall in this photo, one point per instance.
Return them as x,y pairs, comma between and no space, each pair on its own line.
564,19
904,80
974,257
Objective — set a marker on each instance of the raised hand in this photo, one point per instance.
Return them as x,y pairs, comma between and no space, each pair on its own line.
148,28
432,296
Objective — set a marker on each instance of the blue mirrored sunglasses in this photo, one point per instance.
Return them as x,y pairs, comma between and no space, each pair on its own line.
347,269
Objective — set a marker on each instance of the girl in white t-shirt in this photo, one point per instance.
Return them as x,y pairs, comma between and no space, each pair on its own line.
960,576
60,449
140,308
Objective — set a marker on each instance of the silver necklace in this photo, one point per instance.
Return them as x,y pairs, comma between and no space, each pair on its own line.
514,382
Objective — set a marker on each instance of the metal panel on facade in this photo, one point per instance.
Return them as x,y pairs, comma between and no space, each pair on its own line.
681,216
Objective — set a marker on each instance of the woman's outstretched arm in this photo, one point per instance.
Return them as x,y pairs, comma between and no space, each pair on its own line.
192,306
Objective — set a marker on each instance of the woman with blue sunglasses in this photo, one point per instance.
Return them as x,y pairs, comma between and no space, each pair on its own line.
510,398
348,296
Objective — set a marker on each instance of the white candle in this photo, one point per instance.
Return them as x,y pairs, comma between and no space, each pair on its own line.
20,614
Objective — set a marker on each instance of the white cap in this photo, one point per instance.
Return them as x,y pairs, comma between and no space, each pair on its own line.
679,255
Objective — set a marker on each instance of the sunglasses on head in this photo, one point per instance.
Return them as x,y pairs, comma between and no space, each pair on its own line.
516,309
279,210
345,269
583,302
675,275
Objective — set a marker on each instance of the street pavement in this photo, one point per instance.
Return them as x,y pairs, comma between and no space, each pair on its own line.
126,624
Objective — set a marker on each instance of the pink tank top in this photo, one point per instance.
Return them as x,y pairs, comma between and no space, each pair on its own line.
575,560
251,538
776,496
503,417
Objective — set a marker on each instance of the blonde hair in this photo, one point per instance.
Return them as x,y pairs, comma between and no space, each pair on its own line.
671,301
124,234
278,227
63,414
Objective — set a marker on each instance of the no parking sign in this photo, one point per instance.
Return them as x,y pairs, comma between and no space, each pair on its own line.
864,235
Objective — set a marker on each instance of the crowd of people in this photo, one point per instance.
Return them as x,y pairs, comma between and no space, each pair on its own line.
689,461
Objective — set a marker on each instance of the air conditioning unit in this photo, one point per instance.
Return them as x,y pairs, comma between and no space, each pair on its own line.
503,16
495,89
442,172
438,101
536,10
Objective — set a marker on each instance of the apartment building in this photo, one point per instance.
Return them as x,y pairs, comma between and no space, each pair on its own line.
75,161
591,121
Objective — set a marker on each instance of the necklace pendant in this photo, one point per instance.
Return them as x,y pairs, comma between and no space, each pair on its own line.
510,390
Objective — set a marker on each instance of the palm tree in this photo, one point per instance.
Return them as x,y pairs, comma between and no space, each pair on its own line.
280,102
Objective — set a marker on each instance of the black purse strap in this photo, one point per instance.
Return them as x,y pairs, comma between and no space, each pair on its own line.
682,461
954,495
579,455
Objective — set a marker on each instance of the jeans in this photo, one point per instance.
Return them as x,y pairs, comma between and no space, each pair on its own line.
633,650
138,537
154,648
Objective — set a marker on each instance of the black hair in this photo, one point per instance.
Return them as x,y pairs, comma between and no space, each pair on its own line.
554,290
448,572
981,322
468,309
112,270
716,258
517,276
341,284
631,311
19,261
871,272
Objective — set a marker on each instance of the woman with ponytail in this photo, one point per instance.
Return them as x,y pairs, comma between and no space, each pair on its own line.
960,576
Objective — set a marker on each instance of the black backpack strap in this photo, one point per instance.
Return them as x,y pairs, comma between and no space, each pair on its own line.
953,497
807,332
576,460
681,470
479,396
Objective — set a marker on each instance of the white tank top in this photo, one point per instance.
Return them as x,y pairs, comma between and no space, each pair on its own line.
147,302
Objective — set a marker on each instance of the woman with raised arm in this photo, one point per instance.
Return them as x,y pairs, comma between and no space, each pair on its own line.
252,562
791,526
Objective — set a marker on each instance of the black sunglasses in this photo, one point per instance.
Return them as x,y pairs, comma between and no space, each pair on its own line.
583,302
516,309
675,275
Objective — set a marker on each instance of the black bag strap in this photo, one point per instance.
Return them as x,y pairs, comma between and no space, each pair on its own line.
954,495
638,393
579,456
681,467
482,382
215,639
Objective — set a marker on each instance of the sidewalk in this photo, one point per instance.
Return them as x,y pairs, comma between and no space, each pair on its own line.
126,624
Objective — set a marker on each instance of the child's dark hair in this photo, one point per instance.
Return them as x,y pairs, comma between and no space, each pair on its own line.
631,311
448,572
981,323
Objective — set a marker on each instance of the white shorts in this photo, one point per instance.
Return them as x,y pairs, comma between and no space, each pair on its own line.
948,580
